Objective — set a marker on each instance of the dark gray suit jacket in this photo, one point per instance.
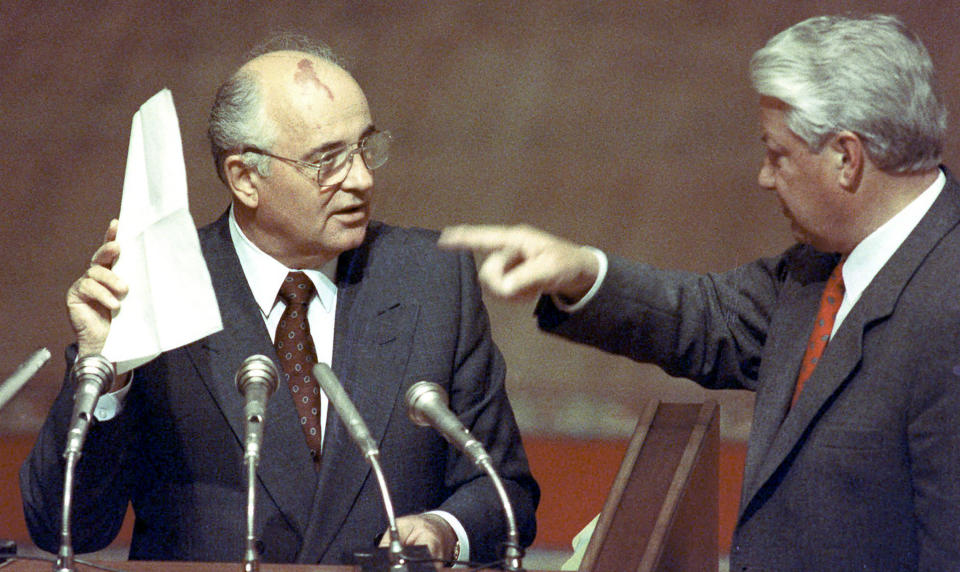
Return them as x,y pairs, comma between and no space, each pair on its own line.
405,312
864,472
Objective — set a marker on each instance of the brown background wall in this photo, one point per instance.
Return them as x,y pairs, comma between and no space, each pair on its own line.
627,125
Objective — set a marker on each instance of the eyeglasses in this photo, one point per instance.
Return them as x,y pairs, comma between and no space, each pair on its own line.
332,168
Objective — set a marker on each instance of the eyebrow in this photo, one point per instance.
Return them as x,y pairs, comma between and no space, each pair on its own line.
333,145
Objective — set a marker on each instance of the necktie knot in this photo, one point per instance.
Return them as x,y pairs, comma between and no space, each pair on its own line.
296,289
833,291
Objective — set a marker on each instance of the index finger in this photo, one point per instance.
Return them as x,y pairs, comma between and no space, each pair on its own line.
479,238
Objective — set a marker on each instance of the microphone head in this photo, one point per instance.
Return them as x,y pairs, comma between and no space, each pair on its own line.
94,368
421,396
258,369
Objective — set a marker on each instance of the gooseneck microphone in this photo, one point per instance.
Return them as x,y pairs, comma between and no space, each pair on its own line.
92,375
427,406
361,436
22,375
257,380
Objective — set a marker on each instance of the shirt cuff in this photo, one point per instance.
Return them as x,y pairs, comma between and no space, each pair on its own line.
459,530
111,404
601,274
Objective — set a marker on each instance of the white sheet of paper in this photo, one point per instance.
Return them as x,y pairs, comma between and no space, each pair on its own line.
171,300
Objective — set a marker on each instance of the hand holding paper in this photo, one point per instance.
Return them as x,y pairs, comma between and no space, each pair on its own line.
171,301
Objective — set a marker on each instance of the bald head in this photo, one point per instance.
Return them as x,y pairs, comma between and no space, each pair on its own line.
239,116
300,92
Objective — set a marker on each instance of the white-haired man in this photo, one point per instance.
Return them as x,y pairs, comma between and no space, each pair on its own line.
850,339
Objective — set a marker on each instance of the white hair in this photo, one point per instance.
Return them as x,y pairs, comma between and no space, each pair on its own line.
869,75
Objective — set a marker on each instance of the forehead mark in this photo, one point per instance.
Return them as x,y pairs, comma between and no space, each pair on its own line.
306,75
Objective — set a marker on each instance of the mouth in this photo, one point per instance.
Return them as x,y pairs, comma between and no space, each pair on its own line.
355,213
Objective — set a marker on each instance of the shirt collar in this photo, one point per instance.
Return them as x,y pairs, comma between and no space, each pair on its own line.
868,257
265,274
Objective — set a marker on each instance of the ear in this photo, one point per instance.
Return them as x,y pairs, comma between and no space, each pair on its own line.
848,156
243,180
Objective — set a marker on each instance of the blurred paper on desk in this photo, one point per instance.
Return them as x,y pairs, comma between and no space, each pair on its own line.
171,300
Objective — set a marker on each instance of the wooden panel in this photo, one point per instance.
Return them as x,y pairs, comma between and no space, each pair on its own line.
661,513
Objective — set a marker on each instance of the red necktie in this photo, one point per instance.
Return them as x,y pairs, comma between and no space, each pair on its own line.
822,328
295,349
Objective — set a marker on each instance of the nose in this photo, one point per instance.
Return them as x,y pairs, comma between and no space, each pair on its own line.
359,177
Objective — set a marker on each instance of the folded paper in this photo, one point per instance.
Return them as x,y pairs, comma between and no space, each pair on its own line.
171,301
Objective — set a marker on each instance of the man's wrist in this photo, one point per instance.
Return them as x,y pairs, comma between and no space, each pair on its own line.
594,276
452,534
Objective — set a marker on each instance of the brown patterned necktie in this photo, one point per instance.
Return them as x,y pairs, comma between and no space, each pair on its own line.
297,355
822,329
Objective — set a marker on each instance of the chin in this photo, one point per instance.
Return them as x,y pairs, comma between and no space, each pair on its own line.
350,238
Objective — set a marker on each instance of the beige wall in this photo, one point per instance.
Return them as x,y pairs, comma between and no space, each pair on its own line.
629,126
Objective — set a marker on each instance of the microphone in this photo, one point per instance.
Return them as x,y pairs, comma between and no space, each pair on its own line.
361,436
22,375
92,374
345,409
257,379
427,406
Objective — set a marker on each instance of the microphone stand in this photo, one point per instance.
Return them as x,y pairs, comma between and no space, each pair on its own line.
361,436
97,370
64,561
251,556
256,373
397,561
427,406
512,554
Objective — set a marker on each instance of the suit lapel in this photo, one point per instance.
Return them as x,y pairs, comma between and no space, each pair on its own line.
844,352
795,321
373,334
284,456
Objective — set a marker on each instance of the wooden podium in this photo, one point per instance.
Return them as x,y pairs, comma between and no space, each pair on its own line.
661,513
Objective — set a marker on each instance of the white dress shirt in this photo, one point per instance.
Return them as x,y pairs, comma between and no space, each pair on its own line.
266,274
868,257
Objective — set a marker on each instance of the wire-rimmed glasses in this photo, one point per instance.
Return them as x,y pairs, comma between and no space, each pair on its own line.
332,168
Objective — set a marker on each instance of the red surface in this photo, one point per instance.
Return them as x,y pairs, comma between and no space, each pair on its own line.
574,476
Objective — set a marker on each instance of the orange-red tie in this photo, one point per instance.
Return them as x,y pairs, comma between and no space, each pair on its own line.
826,315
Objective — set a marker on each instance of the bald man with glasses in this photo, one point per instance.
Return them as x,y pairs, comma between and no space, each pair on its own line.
294,141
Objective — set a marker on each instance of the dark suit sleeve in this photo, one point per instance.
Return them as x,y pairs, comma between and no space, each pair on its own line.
706,327
478,396
928,364
101,491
